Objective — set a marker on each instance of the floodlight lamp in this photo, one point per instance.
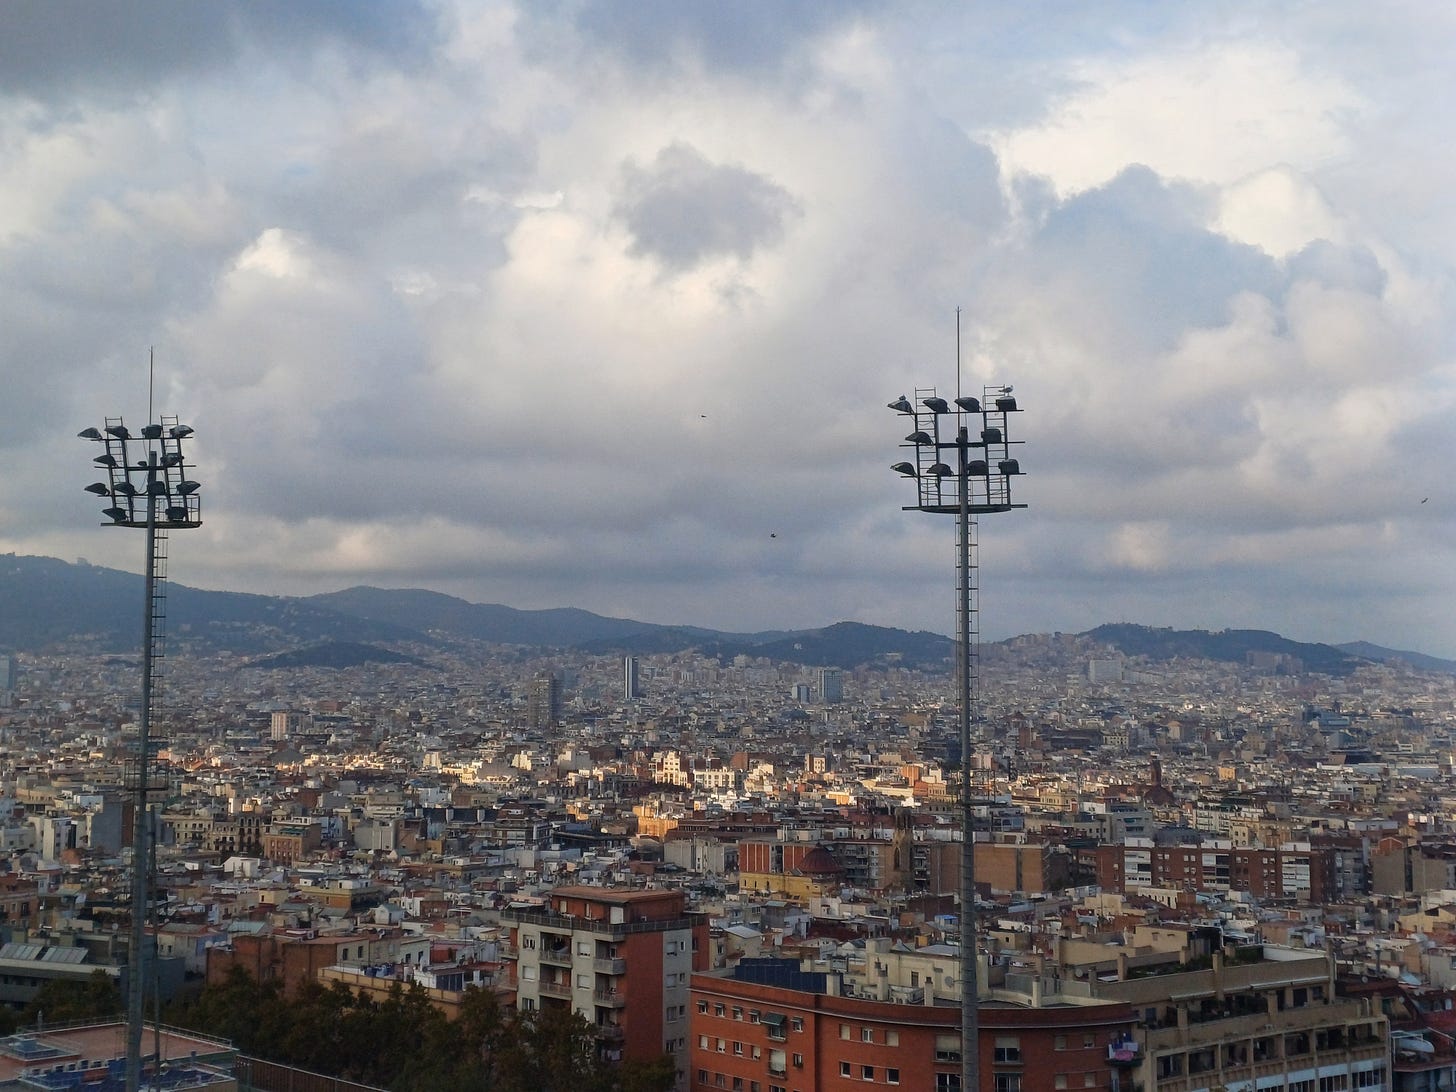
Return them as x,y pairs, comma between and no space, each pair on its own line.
179,431
1006,404
991,435
1009,467
89,434
151,432
101,489
969,404
117,515
940,470
899,405
919,437
936,405
908,469
106,460
177,514
172,458
125,489
186,488
119,431
978,468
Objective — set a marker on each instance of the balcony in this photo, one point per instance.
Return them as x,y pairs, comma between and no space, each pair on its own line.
559,957
610,966
611,1033
610,998
554,989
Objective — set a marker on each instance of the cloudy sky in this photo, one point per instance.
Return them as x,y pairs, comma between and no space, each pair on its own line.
600,304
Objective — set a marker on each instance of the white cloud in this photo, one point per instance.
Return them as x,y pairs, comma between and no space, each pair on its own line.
578,306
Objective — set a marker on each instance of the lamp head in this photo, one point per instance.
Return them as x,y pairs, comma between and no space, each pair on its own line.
936,405
907,469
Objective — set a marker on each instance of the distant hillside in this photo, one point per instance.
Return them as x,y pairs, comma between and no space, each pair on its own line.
427,610
1418,660
45,602
1228,645
846,644
335,654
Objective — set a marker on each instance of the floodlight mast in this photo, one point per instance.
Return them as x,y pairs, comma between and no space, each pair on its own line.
982,486
165,487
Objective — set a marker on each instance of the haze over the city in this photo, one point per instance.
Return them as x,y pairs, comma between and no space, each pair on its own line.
600,304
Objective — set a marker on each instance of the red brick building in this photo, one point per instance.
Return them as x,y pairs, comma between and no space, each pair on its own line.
775,1028
1296,870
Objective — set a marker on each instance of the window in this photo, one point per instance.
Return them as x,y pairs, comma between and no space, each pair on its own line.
892,1038
947,1048
844,1031
797,1023
866,1072
866,1035
1060,1081
737,1012
702,1042
1089,1080
702,1076
1007,1082
703,1007
528,942
844,1069
1089,1040
719,1009
583,947
798,1061
738,1048
778,1063
892,1076
947,1082
737,1084
1007,1050
753,1016
722,1046
1059,1043
583,981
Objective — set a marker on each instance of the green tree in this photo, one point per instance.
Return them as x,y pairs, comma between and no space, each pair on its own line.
59,1002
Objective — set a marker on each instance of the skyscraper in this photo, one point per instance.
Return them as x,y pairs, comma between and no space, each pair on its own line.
631,679
831,685
543,700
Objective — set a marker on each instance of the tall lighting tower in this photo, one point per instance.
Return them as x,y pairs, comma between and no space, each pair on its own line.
963,467
146,487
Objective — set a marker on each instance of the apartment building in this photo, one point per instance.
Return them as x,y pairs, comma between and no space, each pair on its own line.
623,959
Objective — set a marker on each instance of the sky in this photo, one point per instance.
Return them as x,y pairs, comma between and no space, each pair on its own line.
592,304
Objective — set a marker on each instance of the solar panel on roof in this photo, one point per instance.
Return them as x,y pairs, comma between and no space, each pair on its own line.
64,955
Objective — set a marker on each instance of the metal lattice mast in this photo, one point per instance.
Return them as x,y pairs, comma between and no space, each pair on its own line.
981,485
165,500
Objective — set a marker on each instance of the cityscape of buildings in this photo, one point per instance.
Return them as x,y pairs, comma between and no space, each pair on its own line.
1192,875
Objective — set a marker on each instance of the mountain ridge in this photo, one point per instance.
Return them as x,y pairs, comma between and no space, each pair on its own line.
46,603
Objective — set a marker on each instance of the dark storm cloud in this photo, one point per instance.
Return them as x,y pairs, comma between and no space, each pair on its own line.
53,48
684,209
